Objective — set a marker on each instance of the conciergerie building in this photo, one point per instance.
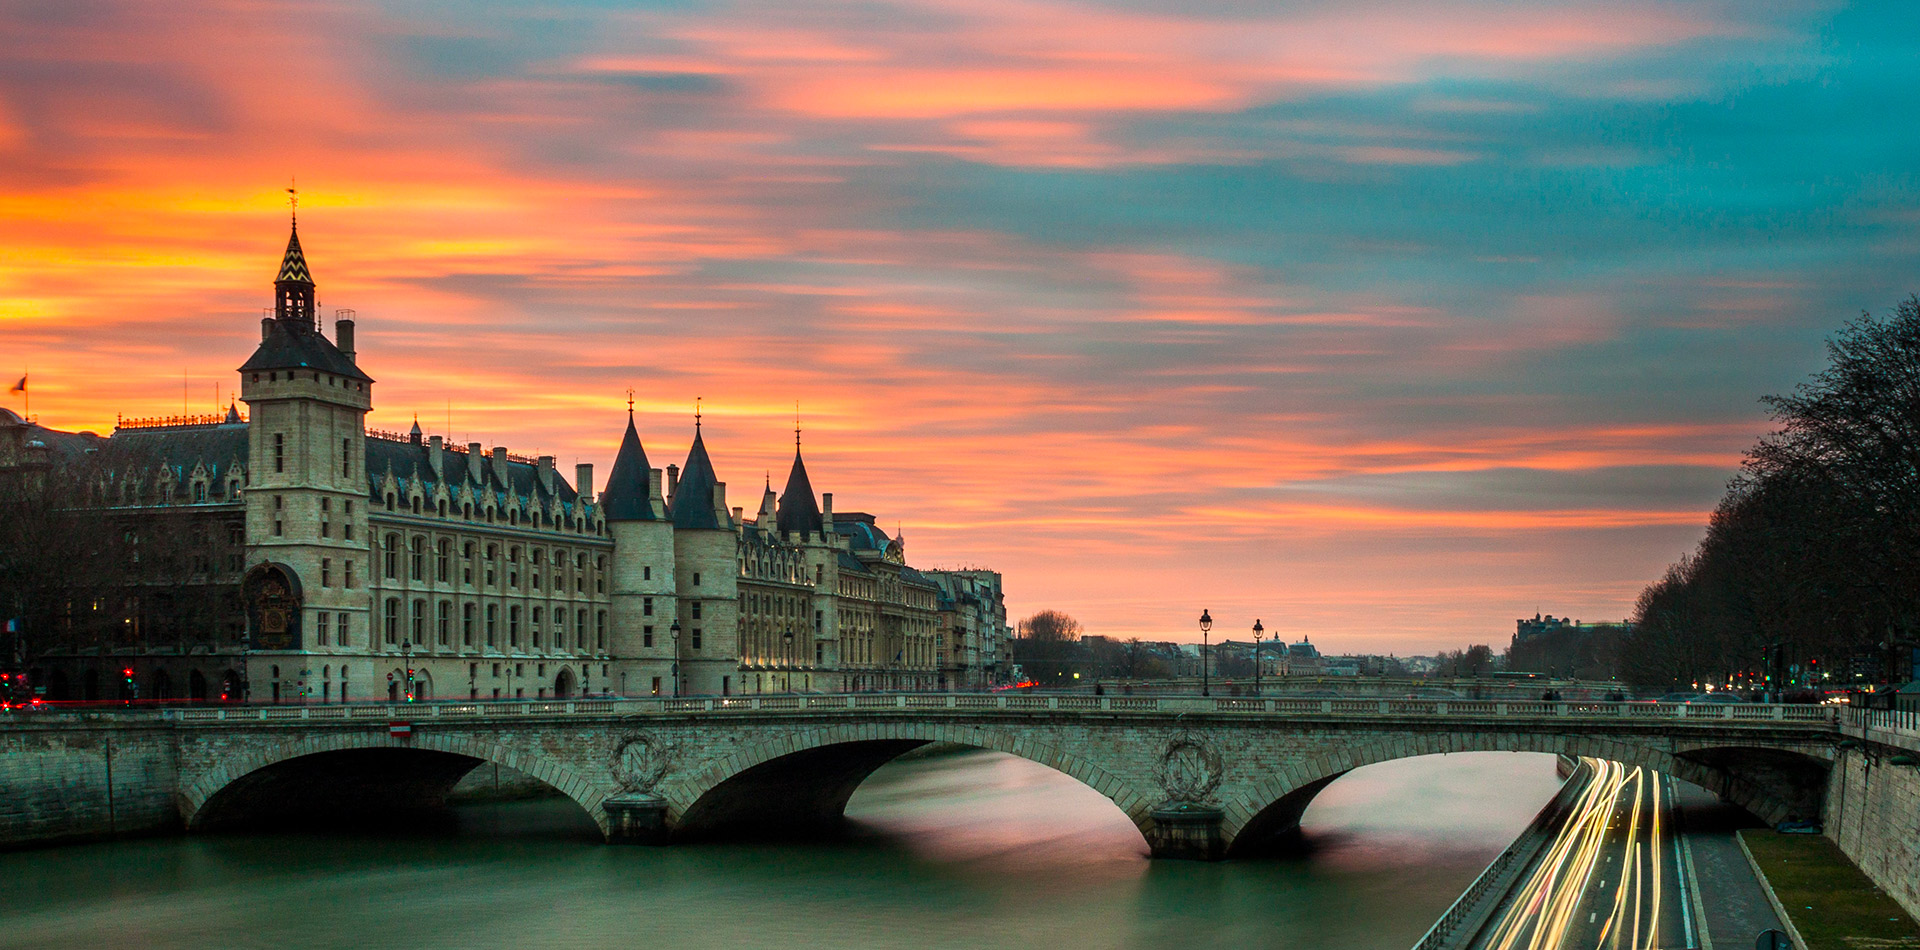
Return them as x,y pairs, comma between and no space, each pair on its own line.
292,554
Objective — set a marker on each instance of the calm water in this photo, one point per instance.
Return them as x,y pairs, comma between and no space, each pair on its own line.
978,850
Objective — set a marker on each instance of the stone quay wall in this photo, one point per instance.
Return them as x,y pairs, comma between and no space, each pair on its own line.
1873,801
81,778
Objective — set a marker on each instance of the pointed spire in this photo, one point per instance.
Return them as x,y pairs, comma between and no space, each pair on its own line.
415,435
693,499
799,511
233,411
626,497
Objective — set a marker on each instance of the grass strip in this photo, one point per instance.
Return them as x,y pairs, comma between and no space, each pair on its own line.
1834,906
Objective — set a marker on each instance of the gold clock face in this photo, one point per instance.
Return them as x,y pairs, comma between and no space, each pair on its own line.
273,620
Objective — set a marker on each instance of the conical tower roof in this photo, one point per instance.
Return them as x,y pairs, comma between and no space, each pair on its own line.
293,266
799,511
628,491
693,498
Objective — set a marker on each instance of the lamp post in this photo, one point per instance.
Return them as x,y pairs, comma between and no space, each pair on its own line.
786,650
1206,628
406,656
1257,631
675,630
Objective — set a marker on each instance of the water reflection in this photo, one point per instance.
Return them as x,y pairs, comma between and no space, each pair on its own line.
979,850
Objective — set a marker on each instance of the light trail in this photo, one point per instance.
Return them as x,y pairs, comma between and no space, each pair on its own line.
1569,901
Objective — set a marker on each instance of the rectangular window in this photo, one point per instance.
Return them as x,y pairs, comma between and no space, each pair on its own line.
343,642
466,625
326,530
696,578
646,606
279,452
326,573
513,626
392,618
646,573
420,622
347,577
320,627
446,623
346,460
646,636
493,615
696,610
600,630
696,638
656,686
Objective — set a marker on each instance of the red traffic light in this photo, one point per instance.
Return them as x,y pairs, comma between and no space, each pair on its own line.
128,672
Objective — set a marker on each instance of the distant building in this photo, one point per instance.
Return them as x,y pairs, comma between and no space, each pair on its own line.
1539,626
313,559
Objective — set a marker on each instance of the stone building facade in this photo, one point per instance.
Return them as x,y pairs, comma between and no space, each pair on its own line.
327,562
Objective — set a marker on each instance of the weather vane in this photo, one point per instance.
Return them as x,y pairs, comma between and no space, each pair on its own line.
293,199
629,400
696,412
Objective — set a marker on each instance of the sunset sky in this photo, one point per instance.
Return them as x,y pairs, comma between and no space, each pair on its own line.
1379,324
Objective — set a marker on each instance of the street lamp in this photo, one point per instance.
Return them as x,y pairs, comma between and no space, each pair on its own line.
786,649
406,655
1206,627
675,630
1257,631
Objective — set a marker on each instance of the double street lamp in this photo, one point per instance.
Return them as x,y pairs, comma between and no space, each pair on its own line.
1206,628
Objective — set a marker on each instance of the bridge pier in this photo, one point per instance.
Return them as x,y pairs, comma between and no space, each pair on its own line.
636,819
1187,831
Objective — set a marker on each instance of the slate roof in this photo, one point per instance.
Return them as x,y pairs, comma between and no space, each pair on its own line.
851,564
866,536
296,344
693,497
408,462
626,497
799,511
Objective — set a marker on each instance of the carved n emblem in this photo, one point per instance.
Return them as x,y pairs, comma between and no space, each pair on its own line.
1190,770
641,762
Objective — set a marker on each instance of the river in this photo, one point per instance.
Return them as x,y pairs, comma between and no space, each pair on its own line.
975,850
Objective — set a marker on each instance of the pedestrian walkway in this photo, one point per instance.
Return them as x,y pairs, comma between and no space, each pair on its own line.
1734,906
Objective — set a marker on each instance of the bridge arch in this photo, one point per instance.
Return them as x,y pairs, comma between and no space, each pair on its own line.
812,774
1772,781
437,761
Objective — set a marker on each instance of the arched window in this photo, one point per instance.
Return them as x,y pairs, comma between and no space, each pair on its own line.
466,625
513,626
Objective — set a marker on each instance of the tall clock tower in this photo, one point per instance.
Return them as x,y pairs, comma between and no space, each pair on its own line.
307,548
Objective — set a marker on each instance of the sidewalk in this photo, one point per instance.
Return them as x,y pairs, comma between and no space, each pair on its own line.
1734,907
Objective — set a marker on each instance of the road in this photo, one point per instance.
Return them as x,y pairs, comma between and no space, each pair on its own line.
1613,878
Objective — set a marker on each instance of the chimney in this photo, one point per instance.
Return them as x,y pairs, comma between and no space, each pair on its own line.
500,466
343,336
583,481
436,445
720,501
655,502
546,474
266,328
739,516
473,461
673,482
826,513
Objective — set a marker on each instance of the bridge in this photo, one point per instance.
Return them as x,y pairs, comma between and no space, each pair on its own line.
1202,778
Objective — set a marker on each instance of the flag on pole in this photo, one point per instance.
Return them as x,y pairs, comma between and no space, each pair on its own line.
18,387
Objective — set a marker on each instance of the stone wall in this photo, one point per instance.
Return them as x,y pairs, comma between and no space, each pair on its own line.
1873,813
78,780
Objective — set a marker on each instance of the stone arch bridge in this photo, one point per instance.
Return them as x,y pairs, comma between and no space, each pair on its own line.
1200,777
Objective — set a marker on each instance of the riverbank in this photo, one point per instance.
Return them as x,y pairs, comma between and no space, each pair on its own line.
1832,905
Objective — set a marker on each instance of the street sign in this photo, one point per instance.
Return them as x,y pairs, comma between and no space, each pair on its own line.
405,729
1773,940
